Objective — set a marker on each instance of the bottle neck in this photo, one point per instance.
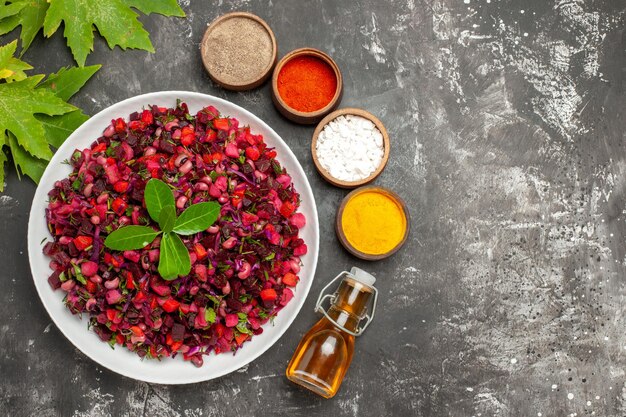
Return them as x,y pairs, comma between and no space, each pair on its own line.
350,304
343,318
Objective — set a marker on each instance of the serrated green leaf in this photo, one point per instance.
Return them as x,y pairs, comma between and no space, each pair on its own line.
167,218
12,9
163,7
30,17
157,195
8,24
196,218
114,20
58,128
34,115
25,163
209,315
173,258
68,81
6,53
16,68
19,102
11,69
130,237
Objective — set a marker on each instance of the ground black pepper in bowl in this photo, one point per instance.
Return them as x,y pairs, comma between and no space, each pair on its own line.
239,51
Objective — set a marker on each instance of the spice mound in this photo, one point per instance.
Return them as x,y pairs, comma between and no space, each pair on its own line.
373,222
238,50
307,83
243,267
350,148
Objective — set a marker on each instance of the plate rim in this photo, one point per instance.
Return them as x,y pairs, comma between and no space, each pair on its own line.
49,175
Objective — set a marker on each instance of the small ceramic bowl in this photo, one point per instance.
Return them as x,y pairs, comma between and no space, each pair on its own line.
299,116
356,112
342,236
243,85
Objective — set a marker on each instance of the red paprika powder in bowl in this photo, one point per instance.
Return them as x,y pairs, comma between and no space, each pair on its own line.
306,85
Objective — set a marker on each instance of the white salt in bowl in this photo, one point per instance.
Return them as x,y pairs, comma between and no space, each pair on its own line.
316,158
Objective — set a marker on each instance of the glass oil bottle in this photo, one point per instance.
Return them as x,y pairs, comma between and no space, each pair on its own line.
324,354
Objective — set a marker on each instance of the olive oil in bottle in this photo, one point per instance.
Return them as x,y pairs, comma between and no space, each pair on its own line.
324,354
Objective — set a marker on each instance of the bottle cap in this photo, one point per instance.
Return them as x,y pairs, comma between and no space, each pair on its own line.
362,276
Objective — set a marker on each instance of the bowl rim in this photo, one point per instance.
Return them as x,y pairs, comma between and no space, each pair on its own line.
342,236
355,112
264,75
290,112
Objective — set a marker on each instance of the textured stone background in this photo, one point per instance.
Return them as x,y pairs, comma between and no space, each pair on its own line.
507,120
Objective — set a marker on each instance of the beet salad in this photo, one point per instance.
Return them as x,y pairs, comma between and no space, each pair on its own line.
223,282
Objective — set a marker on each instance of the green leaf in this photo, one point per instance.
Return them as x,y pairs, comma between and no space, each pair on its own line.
79,276
25,163
196,218
130,237
167,218
19,102
34,114
174,257
157,195
209,315
7,10
68,81
11,69
58,128
243,329
214,299
114,20
164,7
30,16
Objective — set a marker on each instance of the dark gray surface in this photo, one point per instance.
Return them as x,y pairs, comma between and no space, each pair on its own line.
507,125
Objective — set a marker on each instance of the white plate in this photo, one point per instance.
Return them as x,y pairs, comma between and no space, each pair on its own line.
121,360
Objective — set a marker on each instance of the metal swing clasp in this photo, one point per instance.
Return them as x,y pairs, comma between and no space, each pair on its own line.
331,297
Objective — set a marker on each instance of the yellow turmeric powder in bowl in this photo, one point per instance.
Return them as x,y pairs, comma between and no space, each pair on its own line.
372,223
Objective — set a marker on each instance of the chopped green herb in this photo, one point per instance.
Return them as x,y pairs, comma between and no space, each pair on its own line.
243,329
209,315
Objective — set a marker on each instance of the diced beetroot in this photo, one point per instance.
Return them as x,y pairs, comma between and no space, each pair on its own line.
54,280
89,268
112,173
248,218
201,272
286,296
284,180
113,296
298,220
178,331
132,255
300,250
231,320
221,183
231,150
161,289
200,321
